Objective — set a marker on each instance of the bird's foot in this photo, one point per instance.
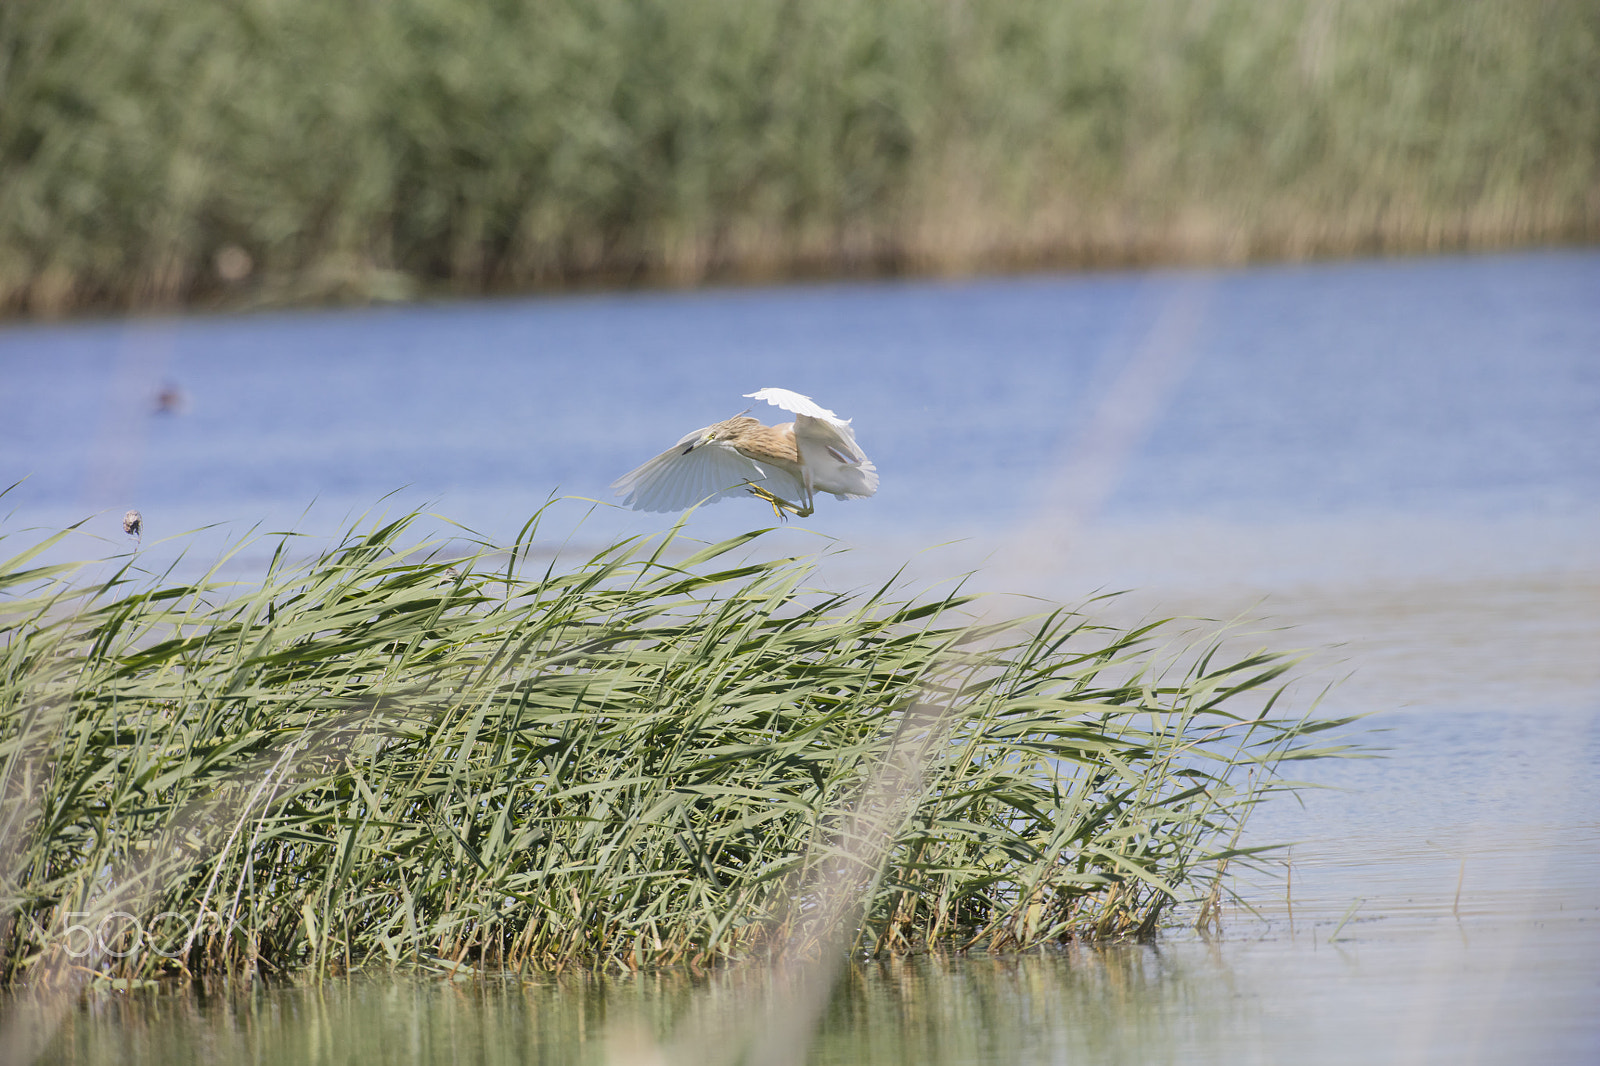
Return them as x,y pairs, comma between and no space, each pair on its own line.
781,507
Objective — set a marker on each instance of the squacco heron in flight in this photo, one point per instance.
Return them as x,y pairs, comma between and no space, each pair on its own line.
786,465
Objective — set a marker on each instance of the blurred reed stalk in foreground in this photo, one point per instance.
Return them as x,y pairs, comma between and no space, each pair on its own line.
156,152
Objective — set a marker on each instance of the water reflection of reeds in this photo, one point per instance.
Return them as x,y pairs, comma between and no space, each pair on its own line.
1090,1003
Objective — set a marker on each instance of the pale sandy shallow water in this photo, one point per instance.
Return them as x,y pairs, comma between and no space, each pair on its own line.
1394,466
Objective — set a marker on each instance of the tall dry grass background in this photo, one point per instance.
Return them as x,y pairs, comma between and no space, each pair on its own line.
154,152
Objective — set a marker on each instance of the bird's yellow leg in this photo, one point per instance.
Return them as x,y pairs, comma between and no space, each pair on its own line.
779,505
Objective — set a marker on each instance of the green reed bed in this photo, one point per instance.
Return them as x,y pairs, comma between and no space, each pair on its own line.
159,151
376,757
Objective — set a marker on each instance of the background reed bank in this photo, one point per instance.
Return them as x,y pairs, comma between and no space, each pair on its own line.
160,151
371,759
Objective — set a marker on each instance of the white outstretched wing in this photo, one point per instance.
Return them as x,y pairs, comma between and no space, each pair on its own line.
795,404
827,446
813,417
679,478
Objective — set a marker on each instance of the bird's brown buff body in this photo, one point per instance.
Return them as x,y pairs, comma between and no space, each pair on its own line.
765,444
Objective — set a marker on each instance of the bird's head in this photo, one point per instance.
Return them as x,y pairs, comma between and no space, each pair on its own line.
729,429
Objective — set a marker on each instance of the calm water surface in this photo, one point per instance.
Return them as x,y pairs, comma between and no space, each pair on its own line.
1394,466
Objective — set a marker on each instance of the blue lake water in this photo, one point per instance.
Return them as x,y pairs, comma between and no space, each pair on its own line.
1394,465
1460,387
